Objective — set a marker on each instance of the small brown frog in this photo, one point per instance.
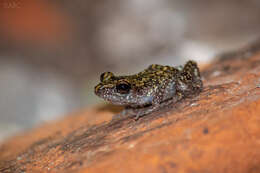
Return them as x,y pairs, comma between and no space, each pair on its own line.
151,87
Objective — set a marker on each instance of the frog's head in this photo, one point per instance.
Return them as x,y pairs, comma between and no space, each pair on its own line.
116,90
119,90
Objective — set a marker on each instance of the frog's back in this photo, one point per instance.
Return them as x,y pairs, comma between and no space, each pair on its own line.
181,80
154,75
159,71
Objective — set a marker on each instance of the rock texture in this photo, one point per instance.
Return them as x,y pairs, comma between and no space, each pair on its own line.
216,131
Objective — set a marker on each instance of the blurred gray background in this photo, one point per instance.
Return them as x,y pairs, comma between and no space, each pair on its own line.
52,52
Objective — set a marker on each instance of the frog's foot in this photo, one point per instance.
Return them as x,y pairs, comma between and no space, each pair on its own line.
140,112
135,112
127,112
144,111
147,110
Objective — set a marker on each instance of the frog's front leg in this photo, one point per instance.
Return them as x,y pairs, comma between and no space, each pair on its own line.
136,112
146,110
165,94
126,112
157,98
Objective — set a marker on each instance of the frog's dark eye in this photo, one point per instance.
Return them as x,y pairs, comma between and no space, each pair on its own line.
105,76
123,88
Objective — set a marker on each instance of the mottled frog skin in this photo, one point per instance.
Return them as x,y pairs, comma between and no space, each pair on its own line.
153,86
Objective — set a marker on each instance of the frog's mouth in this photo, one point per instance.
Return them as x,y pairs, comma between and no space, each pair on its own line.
116,99
110,96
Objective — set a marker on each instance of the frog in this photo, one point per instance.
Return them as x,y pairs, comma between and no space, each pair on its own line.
147,90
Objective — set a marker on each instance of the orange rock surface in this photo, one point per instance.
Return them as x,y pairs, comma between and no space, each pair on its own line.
215,132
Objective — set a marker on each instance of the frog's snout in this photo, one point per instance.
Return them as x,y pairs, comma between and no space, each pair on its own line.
98,89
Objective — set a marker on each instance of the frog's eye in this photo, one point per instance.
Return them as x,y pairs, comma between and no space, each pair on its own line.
105,76
123,88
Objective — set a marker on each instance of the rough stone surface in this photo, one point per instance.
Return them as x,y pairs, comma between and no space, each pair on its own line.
216,131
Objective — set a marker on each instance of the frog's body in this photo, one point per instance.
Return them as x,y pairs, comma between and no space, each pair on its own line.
152,86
